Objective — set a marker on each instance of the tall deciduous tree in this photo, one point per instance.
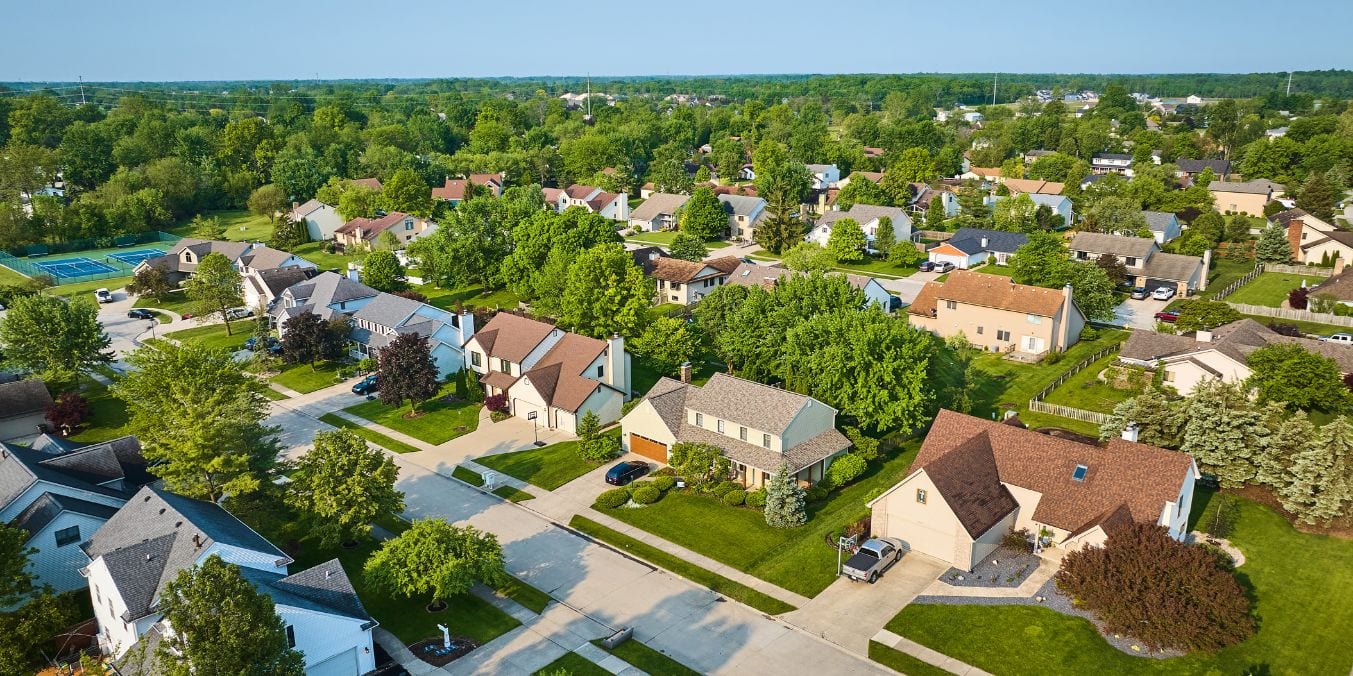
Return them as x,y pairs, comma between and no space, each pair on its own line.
688,247
56,340
269,201
381,271
437,560
39,616
1289,373
406,192
215,288
666,343
847,241
222,625
309,338
407,371
199,417
342,485
785,500
703,215
606,293
885,237
151,281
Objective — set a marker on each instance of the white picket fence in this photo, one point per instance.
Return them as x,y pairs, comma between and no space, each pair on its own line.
1299,315
1068,412
1298,270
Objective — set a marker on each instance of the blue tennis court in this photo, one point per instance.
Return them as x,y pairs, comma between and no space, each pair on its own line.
134,258
74,267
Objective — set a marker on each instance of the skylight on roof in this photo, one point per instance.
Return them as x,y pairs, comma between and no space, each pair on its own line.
1079,473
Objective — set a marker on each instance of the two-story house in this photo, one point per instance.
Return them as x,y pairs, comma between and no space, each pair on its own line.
549,375
1247,197
158,534
970,247
453,190
997,314
59,492
976,480
264,271
320,219
757,427
868,217
1312,240
685,282
658,212
1033,186
824,176
1146,264
745,215
23,408
1111,163
1190,169
614,206
364,233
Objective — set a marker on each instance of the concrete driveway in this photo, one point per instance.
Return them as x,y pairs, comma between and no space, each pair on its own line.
907,287
1139,314
850,613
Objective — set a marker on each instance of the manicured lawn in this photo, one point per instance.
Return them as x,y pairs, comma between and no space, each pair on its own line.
549,467
665,238
647,659
512,494
525,594
716,583
1314,328
1302,586
643,376
469,296
1271,288
993,269
467,475
797,559
370,435
87,288
8,276
901,662
214,336
1224,272
240,226
667,309
314,252
572,664
1086,391
274,395
174,301
438,421
303,378
108,417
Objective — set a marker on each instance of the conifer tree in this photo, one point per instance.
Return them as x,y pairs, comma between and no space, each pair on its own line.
784,500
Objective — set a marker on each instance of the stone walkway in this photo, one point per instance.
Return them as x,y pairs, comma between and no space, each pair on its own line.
927,655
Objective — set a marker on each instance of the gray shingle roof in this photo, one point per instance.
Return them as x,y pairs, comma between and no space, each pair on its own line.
657,204
745,402
328,288
1173,267
1159,221
50,505
23,397
741,205
1235,340
1101,243
82,468
1219,167
324,588
387,309
969,240
1258,187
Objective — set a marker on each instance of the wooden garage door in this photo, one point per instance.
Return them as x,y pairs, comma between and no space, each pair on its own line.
648,448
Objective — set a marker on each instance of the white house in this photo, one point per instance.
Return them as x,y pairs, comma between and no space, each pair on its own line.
614,206
321,220
658,212
1111,163
157,534
824,176
745,214
869,217
1060,205
265,271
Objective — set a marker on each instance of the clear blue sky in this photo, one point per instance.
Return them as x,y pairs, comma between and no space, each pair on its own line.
302,39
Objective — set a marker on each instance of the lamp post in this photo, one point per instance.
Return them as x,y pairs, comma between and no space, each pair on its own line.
153,322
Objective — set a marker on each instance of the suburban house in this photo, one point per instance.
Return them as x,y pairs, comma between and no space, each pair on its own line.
1163,224
1312,240
757,427
377,318
265,271
997,314
1338,287
658,212
872,176
1145,262
23,408
610,205
765,276
157,534
59,492
1190,169
685,282
1247,198
1033,186
1059,204
549,375
1111,163
371,182
869,217
984,174
453,190
924,195
1219,354
745,214
824,176
975,480
970,247
364,233
321,220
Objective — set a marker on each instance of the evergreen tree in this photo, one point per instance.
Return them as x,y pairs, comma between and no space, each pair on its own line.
1317,197
934,214
1225,432
1321,487
1291,435
1160,419
1273,246
784,500
885,237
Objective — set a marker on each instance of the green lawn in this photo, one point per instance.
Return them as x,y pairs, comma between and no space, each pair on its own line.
549,467
240,226
1303,591
108,417
647,659
87,288
901,662
665,238
467,475
174,301
993,269
469,297
314,252
1315,328
370,435
437,422
512,494
274,395
572,664
302,378
530,597
1221,275
1086,391
716,583
9,277
214,335
797,559
1271,288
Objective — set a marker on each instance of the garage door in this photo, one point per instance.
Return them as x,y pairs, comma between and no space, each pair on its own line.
342,664
522,409
648,448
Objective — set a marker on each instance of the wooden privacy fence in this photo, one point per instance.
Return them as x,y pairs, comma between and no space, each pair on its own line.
1037,404
1298,315
1298,270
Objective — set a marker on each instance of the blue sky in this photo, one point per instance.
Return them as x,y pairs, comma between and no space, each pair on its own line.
303,39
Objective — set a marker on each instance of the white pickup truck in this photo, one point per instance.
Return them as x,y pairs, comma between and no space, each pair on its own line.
875,556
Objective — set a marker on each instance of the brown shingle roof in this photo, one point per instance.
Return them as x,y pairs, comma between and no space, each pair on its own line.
724,264
508,336
996,291
1031,185
657,204
558,375
1340,286
373,183
372,227
967,479
677,270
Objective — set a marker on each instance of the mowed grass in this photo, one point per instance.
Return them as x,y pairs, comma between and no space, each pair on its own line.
468,297
666,237
314,252
1302,586
369,434
549,467
239,224
572,664
303,378
647,659
174,301
438,421
1271,288
108,418
1086,391
901,662
214,336
1309,328
869,266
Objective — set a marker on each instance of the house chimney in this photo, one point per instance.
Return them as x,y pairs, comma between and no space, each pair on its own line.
467,327
353,274
1294,239
1131,432
1203,336
1207,266
1065,327
1338,266
686,372
295,206
618,365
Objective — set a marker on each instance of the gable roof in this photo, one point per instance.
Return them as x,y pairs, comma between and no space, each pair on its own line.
657,204
864,213
329,288
1219,167
1237,340
1159,221
387,310
324,588
511,337
1173,267
746,402
1340,286
81,467
373,183
1256,187
969,240
994,291
311,206
23,397
871,176
49,505
373,227
681,271
742,205
1118,245
970,484
558,376
1034,186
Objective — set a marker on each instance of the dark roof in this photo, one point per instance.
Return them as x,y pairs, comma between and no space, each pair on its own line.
23,397
82,468
968,481
1219,167
50,505
1172,267
1340,286
1236,340
1101,243
1112,156
558,376
324,588
969,240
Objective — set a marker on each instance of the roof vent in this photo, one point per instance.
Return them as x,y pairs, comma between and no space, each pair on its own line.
1079,473
146,499
148,557
162,510
328,573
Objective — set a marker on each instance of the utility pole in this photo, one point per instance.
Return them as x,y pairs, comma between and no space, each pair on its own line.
82,88
993,87
1289,83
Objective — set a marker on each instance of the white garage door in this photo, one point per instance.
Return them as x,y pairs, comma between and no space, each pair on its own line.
342,664
522,408
958,261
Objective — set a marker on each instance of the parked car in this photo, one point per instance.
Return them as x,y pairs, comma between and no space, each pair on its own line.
925,266
1340,338
875,556
1163,293
367,385
944,266
625,472
1138,293
239,313
1167,316
140,313
103,295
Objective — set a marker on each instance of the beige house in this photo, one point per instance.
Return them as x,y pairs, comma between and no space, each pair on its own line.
757,426
658,212
1220,354
1243,198
684,282
997,314
745,214
1147,265
364,233
1312,240
549,375
975,480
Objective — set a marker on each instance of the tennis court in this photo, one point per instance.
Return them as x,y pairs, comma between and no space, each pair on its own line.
73,267
134,258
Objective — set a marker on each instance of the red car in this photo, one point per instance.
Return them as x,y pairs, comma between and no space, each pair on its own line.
1168,316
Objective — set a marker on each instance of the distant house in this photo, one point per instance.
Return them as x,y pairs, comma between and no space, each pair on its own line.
976,480
1163,224
985,174
158,534
23,408
549,375
1146,264
1111,163
1276,132
757,427
970,247
658,212
372,183
453,190
1192,168
766,276
1032,155
745,214
1248,197
264,271
614,206
1339,286
364,233
320,219
1033,186
824,176
923,195
685,282
869,218
997,314
871,176
746,173
1059,204
1312,240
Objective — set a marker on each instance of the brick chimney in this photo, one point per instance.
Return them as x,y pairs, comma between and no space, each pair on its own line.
1294,239
686,372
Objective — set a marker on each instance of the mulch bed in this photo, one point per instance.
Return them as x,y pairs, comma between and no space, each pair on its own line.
428,650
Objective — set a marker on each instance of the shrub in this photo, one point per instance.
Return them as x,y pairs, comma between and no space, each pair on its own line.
613,498
1284,329
817,493
845,469
638,485
757,498
1089,333
664,483
723,487
1018,539
1296,298
734,498
646,495
665,471
496,403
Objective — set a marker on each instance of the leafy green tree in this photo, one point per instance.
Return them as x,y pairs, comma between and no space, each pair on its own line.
914,165
407,192
199,417
594,446
863,191
935,215
436,559
207,227
269,201
308,338
341,485
382,271
222,625
1113,267
606,293
475,238
1287,372
699,464
407,371
809,257
1204,314
847,241
1225,432
886,236
688,247
56,340
1042,261
36,615
1317,197
905,254
1118,215
356,201
215,288
1092,290
289,234
1012,168
1016,214
1321,476
1273,246
785,500
666,344
703,215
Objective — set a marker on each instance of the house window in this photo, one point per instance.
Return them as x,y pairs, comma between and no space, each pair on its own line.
742,432
1169,376
67,536
1002,335
979,330
719,424
765,441
676,286
951,305
1033,319
505,366
601,371
920,495
699,419
1079,473
408,225
475,359
1130,262
291,636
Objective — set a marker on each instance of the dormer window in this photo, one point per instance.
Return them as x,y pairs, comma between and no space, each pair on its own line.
1079,473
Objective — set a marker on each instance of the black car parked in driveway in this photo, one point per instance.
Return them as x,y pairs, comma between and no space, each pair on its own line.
625,472
140,313
367,385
